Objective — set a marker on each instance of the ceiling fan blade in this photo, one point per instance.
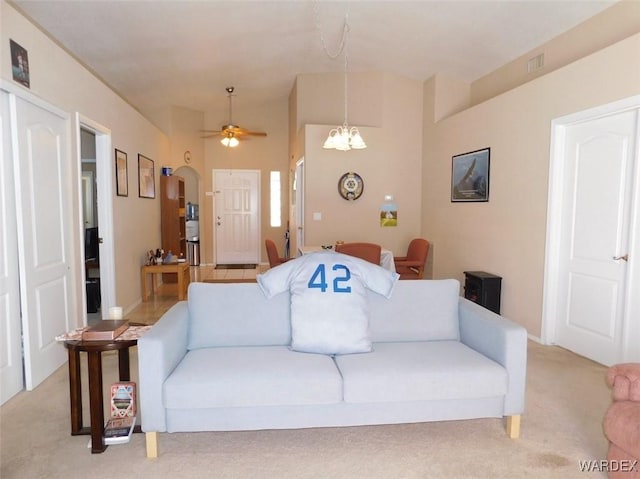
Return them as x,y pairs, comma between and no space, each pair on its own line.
210,131
256,133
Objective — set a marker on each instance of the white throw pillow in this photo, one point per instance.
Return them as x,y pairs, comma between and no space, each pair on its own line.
329,308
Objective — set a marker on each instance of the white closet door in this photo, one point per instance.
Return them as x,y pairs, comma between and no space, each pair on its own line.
44,207
10,348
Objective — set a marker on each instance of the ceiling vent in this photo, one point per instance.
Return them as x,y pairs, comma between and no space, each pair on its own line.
535,63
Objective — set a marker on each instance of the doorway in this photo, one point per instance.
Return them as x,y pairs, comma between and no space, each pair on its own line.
594,216
236,219
96,222
192,200
298,183
90,221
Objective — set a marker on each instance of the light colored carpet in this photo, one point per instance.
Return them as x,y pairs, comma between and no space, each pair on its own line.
566,401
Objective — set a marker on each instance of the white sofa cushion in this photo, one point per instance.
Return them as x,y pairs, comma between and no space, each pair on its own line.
329,308
418,311
222,314
417,371
252,376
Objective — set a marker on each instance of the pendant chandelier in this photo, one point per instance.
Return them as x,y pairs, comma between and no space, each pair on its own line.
344,138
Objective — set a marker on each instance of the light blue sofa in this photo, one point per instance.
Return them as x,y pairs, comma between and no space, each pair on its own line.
220,362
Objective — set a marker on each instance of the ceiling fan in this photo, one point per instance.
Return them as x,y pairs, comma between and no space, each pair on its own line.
231,134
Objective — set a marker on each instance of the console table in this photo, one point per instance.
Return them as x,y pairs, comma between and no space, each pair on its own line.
181,269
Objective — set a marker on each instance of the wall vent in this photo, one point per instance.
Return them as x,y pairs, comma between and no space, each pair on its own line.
535,63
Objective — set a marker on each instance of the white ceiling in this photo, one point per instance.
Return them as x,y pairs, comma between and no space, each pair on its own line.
184,53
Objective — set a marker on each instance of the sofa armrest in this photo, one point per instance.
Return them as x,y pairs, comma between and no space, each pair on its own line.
160,350
501,340
625,381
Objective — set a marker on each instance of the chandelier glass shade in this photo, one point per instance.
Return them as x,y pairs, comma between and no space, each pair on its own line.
344,138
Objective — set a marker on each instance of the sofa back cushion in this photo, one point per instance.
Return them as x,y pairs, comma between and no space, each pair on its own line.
417,311
236,314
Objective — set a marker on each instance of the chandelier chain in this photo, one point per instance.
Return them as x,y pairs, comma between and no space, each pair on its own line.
343,40
346,94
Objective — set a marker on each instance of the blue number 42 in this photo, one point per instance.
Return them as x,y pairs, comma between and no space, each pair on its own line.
319,279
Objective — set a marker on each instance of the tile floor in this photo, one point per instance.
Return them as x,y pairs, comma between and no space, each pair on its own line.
148,312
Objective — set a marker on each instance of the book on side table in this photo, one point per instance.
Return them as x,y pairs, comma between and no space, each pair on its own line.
118,430
105,330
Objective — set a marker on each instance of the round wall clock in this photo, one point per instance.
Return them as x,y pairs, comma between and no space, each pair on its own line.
350,186
187,157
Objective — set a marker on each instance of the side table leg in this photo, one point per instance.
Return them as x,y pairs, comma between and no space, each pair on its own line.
143,283
95,402
75,392
123,365
180,276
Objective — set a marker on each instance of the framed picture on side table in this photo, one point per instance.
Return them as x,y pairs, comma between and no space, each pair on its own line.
146,177
122,178
470,176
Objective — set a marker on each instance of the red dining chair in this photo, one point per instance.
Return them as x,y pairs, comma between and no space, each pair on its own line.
411,266
367,251
272,253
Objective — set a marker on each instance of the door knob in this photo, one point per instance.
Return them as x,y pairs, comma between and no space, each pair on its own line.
218,223
618,258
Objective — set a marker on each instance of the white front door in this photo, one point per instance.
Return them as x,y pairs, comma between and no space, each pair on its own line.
595,235
10,342
237,216
44,206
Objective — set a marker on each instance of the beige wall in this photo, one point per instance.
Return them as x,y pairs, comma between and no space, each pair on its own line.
614,24
257,153
390,165
60,80
506,236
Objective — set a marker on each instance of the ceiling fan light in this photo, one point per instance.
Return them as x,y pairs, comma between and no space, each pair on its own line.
230,141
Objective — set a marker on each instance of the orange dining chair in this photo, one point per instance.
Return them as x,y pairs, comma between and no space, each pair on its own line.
272,253
367,251
411,266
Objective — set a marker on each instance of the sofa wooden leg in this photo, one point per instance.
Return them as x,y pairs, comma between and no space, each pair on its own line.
152,444
513,426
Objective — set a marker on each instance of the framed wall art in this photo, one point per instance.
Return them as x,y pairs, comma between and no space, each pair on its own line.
19,64
122,177
146,177
470,176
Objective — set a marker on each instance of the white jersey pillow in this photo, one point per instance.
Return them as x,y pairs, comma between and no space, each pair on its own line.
329,310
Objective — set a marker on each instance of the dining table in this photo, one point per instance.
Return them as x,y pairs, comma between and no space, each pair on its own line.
386,256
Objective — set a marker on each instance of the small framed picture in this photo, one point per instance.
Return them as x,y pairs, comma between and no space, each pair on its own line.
19,64
146,177
122,178
470,176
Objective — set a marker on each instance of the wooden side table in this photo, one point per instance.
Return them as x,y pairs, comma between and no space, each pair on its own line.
94,350
181,269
